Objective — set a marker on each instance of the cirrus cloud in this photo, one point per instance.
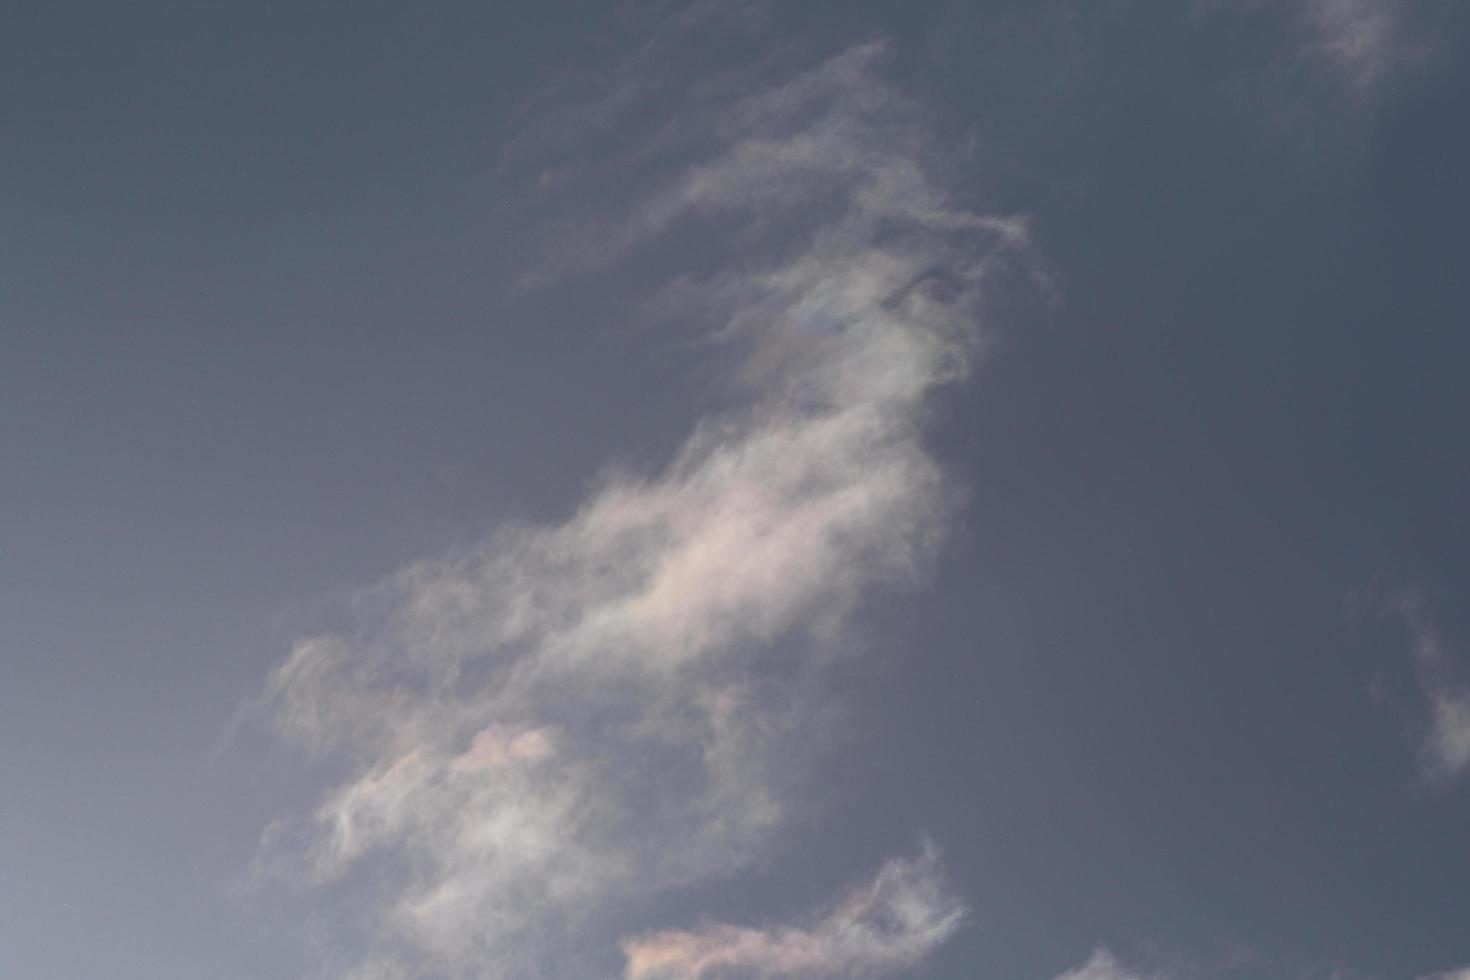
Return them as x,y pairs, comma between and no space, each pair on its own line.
886,926
1443,733
570,718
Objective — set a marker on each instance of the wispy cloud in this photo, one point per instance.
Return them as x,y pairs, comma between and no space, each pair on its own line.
1103,965
888,925
1364,42
1444,735
569,718
1463,973
1336,59
1160,964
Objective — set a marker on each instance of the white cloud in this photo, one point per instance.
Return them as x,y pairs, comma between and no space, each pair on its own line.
884,927
1102,965
1365,42
1444,746
1463,973
570,718
1357,46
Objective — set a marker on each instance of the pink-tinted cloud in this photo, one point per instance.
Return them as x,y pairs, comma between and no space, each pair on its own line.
884,927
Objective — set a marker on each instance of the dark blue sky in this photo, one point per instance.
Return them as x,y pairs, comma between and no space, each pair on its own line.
293,296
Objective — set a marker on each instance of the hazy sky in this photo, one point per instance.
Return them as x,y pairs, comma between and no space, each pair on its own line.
729,490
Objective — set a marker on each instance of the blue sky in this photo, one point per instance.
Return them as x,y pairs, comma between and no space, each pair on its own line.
722,490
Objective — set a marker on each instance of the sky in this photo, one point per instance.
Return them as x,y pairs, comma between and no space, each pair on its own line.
735,489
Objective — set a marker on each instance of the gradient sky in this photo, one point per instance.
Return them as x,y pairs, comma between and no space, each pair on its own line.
733,490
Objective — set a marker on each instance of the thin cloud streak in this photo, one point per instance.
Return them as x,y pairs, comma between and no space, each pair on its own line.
1444,741
1102,965
575,717
1346,52
1463,973
886,926
1365,42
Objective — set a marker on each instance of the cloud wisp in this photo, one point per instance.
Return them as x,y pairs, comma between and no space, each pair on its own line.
1103,965
1444,737
1334,61
1364,42
884,927
1463,973
568,719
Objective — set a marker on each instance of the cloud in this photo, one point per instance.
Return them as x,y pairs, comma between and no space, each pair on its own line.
1102,965
1163,964
1463,973
1444,739
1317,75
568,719
887,926
1364,42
